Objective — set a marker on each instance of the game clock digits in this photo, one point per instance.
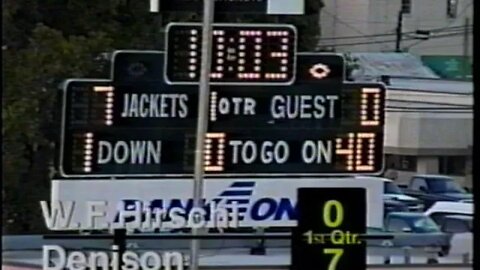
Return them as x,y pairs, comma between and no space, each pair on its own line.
330,221
241,54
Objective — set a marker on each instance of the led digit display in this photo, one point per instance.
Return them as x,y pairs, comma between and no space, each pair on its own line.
136,124
150,152
241,54
130,105
306,106
120,152
293,152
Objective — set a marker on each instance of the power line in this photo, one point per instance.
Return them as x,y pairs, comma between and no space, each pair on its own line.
452,22
435,46
344,23
392,40
449,26
443,29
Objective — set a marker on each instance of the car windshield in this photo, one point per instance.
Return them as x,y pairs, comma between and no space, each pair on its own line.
391,188
426,224
445,185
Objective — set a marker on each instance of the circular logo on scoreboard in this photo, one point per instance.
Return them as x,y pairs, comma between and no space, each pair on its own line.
319,71
137,69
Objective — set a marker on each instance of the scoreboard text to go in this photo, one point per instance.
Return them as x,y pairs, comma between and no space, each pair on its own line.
170,153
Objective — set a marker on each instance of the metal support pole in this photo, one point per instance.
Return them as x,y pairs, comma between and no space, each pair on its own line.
465,48
407,252
399,31
120,240
202,124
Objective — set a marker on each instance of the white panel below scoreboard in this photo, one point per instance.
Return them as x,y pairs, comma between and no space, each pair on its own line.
261,202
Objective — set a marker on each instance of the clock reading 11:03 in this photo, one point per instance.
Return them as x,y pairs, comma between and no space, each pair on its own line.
245,54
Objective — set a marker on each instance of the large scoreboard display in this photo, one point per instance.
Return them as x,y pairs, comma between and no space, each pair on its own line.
272,112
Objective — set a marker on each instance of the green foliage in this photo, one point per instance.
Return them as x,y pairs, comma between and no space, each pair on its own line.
351,63
47,41
28,114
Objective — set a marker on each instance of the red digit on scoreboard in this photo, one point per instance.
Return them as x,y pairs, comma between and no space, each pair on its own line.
370,107
358,149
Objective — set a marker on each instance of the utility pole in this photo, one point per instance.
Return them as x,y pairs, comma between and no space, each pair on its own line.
465,48
202,124
399,30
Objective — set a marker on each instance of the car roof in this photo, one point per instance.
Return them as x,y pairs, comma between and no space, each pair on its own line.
462,217
432,176
451,208
374,177
406,214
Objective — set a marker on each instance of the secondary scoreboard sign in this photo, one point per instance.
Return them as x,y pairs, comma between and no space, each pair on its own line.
148,129
330,222
241,54
221,6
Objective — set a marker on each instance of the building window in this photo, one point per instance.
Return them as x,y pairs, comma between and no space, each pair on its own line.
406,6
452,8
452,165
403,163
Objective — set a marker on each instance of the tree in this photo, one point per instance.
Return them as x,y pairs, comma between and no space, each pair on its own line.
30,129
47,41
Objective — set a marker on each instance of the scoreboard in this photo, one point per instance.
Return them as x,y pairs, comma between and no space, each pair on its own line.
148,129
272,111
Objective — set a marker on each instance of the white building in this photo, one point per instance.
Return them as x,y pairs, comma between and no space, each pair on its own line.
370,26
429,128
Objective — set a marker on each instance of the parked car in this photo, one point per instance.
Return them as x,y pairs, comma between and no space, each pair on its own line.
441,209
460,230
394,200
455,219
413,229
391,191
434,188
391,205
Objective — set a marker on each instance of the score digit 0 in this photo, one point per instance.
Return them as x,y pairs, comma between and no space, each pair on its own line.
354,148
370,99
214,143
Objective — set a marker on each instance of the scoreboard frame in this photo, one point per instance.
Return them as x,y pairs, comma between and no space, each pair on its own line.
232,25
209,174
63,124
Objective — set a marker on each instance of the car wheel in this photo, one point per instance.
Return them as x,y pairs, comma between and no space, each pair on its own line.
444,251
